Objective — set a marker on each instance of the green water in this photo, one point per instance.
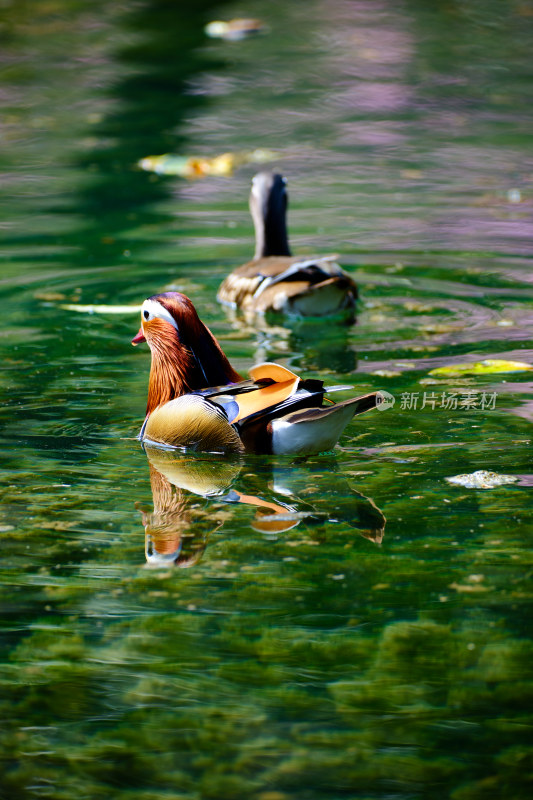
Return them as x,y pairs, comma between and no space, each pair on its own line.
355,627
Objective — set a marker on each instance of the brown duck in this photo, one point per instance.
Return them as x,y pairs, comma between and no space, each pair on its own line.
277,281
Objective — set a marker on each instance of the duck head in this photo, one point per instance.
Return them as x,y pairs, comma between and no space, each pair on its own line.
185,354
268,207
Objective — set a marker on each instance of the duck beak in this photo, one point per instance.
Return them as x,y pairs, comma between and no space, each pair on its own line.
139,338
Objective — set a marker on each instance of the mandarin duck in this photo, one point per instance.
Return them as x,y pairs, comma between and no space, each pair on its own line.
277,281
197,400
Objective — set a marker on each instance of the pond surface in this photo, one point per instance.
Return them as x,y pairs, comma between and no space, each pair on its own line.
350,625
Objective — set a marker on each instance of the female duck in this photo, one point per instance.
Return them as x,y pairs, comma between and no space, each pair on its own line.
196,399
277,281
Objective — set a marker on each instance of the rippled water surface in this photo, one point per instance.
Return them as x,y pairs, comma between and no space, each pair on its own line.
350,625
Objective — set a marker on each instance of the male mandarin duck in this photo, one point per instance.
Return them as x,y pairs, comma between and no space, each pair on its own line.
277,281
196,399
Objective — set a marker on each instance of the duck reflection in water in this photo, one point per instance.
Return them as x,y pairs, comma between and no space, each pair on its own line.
193,497
323,346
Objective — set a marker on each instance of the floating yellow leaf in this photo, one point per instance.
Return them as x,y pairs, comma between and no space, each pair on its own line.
234,30
167,164
386,373
50,297
192,167
468,588
486,367
100,309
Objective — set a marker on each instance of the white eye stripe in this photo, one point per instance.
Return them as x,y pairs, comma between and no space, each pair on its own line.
156,309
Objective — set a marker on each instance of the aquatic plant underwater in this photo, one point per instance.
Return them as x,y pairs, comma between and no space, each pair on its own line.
354,624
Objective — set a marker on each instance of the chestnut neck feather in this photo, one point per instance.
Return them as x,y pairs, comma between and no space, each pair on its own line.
177,367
